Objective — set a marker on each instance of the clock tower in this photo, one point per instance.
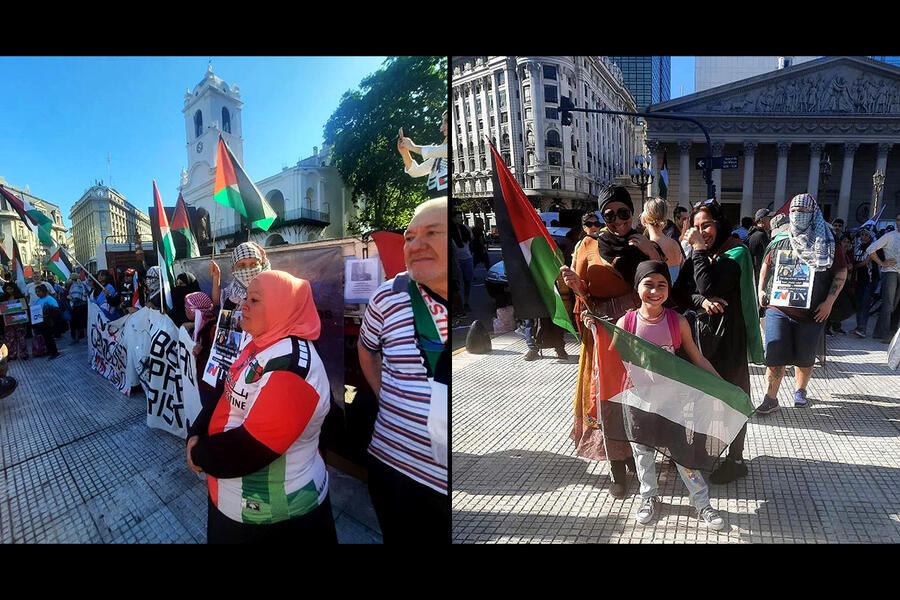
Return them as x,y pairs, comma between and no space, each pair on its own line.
210,109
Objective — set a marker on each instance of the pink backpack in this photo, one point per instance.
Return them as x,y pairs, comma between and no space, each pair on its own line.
671,318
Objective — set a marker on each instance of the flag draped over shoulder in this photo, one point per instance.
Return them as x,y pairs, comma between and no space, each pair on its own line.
235,189
165,252
530,255
181,224
58,263
667,403
664,179
40,224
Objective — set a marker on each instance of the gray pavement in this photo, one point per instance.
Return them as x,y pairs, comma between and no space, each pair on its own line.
79,464
822,474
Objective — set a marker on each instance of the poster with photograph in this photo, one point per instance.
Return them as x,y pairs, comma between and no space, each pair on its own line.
362,276
792,282
229,340
15,312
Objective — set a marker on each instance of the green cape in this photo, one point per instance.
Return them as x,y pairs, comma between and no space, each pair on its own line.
741,255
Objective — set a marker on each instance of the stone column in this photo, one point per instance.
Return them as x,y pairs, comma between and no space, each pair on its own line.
511,122
465,137
843,210
476,134
540,151
684,174
321,195
881,165
747,195
653,147
717,149
781,174
815,155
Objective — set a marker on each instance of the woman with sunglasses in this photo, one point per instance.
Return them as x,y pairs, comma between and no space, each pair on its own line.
602,276
718,279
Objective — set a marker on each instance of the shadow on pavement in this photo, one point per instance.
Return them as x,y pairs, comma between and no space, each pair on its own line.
520,471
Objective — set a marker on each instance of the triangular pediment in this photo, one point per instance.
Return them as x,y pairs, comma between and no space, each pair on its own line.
831,86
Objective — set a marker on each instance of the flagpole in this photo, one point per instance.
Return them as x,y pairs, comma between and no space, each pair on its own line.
213,226
80,265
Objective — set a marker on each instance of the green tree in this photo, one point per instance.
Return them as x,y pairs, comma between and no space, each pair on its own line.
408,92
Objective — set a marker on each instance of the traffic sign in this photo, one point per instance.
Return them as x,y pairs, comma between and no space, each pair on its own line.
717,162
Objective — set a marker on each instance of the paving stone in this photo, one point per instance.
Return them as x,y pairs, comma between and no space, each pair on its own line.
828,473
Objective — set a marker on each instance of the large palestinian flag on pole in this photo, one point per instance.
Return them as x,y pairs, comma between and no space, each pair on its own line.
58,263
165,253
16,267
530,255
181,224
233,188
40,224
663,401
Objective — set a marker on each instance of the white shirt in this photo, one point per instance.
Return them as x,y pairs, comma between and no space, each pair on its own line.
32,296
890,243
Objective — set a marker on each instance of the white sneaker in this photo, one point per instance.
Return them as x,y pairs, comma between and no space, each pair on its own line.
647,510
712,518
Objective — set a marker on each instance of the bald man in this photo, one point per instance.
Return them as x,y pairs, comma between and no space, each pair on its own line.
405,358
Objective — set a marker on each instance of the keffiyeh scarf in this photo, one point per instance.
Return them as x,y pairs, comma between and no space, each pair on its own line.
199,307
241,278
810,236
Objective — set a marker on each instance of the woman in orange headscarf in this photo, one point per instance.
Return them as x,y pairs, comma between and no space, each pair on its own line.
267,481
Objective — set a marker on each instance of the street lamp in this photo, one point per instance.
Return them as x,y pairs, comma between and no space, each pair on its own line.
642,175
878,184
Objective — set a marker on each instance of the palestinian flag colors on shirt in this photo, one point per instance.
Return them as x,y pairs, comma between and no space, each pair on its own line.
667,403
530,255
234,188
165,252
59,264
40,224
664,179
181,224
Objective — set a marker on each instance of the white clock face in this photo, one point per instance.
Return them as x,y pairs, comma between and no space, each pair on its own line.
199,147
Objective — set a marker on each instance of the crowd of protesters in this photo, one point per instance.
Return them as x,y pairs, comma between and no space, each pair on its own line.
722,277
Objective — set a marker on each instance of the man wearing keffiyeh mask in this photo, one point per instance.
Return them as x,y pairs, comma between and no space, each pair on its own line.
793,335
247,261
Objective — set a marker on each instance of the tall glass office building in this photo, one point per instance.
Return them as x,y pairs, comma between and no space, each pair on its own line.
891,60
648,77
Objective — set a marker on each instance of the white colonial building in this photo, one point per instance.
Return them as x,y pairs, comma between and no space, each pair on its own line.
310,197
514,101
823,126
102,215
11,226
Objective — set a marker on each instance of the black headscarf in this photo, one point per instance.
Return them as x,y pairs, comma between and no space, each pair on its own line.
723,225
616,193
178,294
652,266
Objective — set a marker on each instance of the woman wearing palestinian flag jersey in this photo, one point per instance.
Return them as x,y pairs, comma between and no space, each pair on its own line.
267,481
719,279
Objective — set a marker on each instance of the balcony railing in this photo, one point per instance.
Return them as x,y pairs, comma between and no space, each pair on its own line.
295,215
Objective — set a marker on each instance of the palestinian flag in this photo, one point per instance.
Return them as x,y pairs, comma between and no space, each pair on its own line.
390,251
40,224
233,188
28,273
165,252
530,255
4,258
664,178
16,268
59,265
181,225
667,403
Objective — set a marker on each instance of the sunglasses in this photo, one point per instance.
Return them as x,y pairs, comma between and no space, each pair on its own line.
705,202
591,223
623,213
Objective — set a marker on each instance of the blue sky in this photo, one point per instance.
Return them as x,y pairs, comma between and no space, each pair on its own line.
682,78
60,117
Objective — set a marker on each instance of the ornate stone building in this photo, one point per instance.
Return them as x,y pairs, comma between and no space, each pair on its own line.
514,100
838,112
310,197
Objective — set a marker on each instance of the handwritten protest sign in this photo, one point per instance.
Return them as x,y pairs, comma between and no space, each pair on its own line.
107,350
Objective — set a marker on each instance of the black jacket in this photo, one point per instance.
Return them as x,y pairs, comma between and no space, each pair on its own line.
757,240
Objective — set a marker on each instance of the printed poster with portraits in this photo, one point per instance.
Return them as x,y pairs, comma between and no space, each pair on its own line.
793,281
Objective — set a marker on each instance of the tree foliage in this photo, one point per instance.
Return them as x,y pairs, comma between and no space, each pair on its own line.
408,92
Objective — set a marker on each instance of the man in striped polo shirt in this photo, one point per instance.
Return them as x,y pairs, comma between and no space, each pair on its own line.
404,356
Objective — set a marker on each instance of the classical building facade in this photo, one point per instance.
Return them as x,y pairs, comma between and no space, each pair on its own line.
102,214
11,226
310,197
837,113
713,71
514,101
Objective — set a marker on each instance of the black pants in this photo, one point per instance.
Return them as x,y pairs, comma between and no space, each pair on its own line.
736,449
46,331
407,511
314,527
79,321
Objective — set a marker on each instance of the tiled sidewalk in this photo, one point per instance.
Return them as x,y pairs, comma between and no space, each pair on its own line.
79,464
826,473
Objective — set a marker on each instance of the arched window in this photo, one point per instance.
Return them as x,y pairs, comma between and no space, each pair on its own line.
309,198
226,120
198,123
276,200
504,141
529,137
553,140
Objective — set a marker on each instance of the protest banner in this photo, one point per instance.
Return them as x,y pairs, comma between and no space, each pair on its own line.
362,277
793,281
37,314
164,367
15,312
106,348
323,267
